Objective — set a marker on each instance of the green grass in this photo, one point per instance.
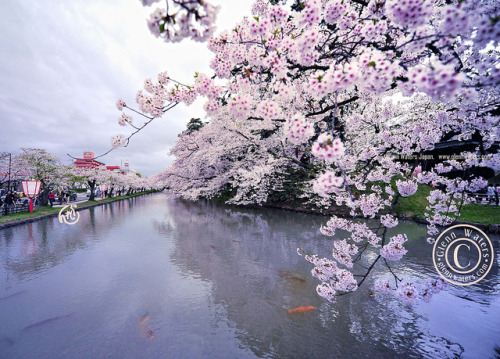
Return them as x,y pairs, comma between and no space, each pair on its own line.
44,210
41,211
414,206
480,213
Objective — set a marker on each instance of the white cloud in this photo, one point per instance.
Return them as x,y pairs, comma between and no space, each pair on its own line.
65,64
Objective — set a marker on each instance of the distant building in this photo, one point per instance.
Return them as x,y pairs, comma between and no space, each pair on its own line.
128,170
113,168
87,161
123,170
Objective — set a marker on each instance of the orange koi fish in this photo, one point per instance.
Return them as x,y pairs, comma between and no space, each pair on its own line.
301,309
145,329
144,319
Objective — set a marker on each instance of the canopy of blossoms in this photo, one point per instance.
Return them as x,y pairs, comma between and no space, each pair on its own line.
338,90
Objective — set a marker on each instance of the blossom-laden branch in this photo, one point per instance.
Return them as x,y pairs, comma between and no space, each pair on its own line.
193,19
315,90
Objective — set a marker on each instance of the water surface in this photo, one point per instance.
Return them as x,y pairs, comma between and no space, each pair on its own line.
153,277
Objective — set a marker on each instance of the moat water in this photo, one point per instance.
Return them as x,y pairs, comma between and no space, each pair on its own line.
154,277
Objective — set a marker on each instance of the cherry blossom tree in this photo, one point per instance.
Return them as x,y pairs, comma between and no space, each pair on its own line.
181,19
353,94
11,168
38,164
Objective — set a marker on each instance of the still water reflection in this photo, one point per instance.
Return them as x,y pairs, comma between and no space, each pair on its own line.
153,277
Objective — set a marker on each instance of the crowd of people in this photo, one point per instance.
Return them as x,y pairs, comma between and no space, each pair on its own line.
12,200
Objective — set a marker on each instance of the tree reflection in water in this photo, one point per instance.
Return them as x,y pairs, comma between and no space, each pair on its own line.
249,257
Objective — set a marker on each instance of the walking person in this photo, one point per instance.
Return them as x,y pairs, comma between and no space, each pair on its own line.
52,197
491,194
9,202
66,196
61,196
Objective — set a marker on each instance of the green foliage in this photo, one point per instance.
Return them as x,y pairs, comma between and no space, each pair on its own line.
293,187
194,124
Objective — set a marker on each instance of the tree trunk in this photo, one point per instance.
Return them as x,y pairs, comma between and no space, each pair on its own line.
44,198
92,189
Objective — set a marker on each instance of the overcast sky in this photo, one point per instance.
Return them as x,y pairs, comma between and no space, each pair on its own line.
65,63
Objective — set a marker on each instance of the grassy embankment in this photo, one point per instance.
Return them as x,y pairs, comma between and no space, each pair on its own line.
414,206
44,210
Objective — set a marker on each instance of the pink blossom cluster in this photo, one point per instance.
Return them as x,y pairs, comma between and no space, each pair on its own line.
335,9
408,292
377,71
302,49
311,14
260,8
394,250
203,85
124,119
373,31
438,81
260,28
181,94
298,130
333,278
407,188
442,210
278,16
455,20
212,107
427,177
149,104
118,141
324,290
335,223
336,78
369,204
389,190
240,106
343,252
324,269
389,221
326,183
148,2
328,149
359,231
344,281
194,19
120,104
488,29
163,78
383,286
269,110
408,13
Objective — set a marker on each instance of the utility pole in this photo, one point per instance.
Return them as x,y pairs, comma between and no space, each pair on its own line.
10,162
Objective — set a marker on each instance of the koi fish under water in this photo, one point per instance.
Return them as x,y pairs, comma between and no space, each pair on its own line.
13,295
6,342
46,321
146,330
301,309
144,319
291,277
